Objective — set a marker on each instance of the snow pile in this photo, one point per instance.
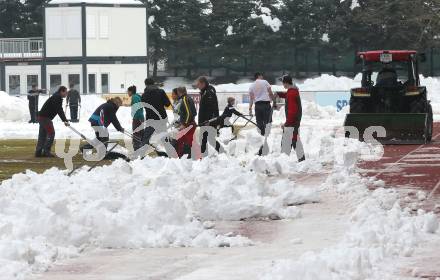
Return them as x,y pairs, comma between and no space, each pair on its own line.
433,87
266,16
327,82
230,30
324,82
381,231
124,2
13,108
150,203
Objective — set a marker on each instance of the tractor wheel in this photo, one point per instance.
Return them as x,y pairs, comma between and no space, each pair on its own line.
430,124
357,106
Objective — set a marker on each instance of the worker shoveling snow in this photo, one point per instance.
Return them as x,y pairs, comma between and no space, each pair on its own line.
155,202
160,202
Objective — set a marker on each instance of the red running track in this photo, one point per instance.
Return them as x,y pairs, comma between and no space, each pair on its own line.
411,168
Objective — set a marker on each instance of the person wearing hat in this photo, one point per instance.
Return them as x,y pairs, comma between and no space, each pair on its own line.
293,119
157,101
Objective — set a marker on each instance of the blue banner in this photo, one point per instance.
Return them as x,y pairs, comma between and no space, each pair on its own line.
332,98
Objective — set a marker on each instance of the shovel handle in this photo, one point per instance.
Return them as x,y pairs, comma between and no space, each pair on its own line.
249,120
79,133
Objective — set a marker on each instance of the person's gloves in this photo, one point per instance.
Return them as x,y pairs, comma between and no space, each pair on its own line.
122,130
66,123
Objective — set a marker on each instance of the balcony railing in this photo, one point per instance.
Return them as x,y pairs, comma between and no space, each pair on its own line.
21,48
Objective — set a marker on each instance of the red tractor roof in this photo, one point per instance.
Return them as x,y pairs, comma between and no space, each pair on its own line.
374,56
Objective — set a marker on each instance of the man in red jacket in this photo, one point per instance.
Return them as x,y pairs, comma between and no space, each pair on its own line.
293,119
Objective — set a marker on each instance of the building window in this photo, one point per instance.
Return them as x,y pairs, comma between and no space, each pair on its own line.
92,83
14,84
32,80
73,25
54,82
91,26
54,27
74,79
105,83
103,26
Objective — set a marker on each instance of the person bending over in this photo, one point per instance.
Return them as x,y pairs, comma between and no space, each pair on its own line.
46,135
223,120
103,116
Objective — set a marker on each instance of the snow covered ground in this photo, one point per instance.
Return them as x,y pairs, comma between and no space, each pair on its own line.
15,110
167,203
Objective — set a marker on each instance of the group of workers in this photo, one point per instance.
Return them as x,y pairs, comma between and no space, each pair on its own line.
149,115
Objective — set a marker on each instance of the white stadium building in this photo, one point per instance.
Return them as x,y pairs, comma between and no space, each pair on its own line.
98,45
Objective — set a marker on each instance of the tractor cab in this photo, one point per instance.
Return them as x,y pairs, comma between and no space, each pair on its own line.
389,69
390,96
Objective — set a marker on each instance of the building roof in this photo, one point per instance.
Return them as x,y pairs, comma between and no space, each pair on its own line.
121,2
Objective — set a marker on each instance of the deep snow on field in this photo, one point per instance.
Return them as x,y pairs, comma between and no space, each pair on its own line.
167,202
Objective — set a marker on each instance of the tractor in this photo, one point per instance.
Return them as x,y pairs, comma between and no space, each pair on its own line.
391,97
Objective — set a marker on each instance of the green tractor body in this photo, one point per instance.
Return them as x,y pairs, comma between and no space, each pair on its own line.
390,98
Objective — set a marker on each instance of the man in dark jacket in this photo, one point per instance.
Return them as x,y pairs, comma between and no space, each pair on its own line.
33,96
52,107
158,101
74,102
208,109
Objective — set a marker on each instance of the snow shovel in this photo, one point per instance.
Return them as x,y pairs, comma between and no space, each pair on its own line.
106,155
80,134
110,152
248,121
134,137
65,110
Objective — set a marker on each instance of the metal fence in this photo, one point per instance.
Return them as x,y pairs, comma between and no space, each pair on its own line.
302,63
20,48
